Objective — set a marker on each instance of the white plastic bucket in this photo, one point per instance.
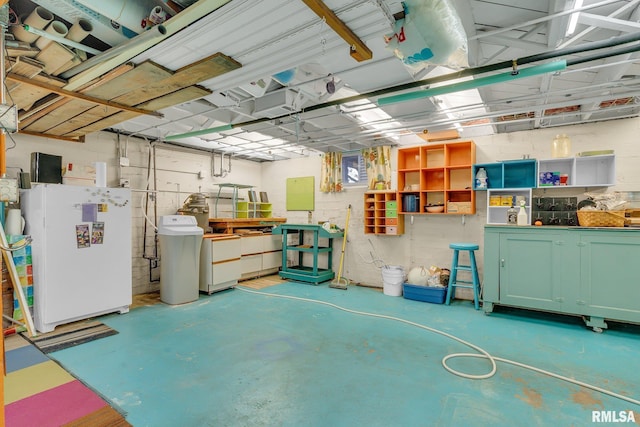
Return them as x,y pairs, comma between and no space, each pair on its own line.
392,280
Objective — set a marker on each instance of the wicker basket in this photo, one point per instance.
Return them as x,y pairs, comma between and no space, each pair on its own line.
588,218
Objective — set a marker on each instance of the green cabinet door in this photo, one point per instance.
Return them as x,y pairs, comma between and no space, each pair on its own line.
610,275
589,272
532,272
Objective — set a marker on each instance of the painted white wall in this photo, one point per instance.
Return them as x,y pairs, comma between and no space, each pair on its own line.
426,239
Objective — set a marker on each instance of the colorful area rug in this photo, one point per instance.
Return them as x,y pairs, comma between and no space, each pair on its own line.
70,335
39,392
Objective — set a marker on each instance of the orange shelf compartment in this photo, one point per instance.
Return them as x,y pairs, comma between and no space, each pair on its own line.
459,179
460,154
409,158
432,180
432,157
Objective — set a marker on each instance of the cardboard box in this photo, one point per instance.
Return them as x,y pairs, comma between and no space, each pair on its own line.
506,200
459,207
547,179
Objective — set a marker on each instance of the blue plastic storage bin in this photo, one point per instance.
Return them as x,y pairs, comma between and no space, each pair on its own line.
431,294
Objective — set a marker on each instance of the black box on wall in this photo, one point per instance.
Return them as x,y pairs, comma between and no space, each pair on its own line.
46,168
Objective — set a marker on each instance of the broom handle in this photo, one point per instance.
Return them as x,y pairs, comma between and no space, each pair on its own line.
344,241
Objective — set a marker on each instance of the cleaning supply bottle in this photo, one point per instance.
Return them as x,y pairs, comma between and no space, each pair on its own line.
523,219
512,216
481,179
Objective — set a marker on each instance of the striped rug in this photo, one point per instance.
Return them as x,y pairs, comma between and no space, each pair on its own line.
39,392
70,335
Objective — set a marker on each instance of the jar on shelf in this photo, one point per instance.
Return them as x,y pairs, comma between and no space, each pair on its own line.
481,179
561,146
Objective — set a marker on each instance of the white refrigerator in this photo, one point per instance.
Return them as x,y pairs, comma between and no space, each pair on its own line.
81,251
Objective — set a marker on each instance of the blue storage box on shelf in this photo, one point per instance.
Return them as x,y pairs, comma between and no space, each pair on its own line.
433,294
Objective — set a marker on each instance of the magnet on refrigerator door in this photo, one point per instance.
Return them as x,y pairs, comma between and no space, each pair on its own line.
82,236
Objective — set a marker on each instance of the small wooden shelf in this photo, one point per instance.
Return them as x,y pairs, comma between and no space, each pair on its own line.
381,213
440,174
253,210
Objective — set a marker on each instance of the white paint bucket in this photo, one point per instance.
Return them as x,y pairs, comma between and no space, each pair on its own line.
392,280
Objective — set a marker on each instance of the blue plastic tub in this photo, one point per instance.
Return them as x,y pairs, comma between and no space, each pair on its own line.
432,294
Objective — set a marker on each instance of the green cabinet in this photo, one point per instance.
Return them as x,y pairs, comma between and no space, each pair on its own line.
589,272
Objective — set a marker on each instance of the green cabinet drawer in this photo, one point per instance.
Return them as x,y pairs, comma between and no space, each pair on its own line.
392,204
391,213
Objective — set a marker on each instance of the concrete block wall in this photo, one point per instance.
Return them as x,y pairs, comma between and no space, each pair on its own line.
179,173
426,239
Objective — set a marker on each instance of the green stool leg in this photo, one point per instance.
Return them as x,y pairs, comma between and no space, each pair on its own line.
475,280
451,291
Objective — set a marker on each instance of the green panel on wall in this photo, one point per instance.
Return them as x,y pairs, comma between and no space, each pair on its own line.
300,194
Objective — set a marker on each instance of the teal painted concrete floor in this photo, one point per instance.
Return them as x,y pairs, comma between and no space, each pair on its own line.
241,359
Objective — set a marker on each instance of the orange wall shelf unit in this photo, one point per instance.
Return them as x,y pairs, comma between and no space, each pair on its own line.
437,175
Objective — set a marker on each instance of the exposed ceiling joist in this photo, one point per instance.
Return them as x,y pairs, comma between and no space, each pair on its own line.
77,95
61,138
608,22
357,49
279,36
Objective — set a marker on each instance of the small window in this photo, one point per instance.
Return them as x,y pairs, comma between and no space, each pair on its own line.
354,171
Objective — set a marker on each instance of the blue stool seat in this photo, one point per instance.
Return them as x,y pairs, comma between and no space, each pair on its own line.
455,282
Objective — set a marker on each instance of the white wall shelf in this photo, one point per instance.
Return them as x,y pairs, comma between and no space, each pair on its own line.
497,214
589,171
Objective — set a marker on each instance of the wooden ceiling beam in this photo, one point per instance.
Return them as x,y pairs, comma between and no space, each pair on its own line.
79,139
357,49
76,95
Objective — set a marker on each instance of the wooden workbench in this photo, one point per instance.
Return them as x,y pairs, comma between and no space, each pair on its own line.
228,225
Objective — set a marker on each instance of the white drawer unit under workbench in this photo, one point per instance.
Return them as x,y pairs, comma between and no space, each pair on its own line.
220,262
261,254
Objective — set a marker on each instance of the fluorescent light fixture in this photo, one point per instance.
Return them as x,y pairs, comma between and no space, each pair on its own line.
475,83
573,21
370,116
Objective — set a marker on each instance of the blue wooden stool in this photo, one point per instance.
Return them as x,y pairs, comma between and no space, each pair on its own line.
454,282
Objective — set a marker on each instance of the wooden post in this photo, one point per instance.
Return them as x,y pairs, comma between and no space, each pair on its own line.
3,171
